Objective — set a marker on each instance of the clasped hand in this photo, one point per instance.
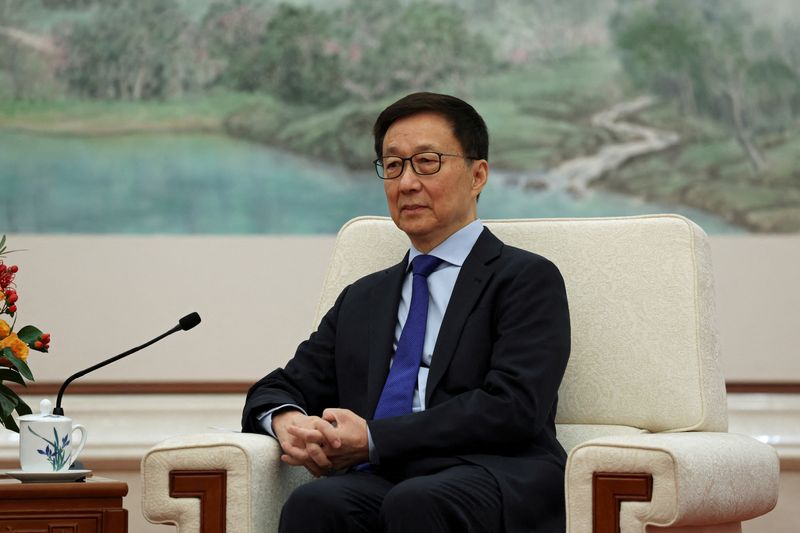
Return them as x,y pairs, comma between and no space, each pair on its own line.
335,441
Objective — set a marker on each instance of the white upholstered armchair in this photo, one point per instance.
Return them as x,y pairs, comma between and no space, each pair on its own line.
642,407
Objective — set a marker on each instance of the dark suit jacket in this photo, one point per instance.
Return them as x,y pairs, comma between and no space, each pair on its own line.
492,386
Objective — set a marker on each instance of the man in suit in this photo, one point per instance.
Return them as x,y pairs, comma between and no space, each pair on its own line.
426,399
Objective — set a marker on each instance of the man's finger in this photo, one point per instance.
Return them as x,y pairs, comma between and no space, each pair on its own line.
318,456
297,452
291,440
328,430
288,459
311,467
323,434
308,435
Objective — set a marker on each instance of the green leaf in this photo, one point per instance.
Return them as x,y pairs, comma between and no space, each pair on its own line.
19,364
11,375
9,393
29,334
23,408
6,407
8,401
2,245
9,423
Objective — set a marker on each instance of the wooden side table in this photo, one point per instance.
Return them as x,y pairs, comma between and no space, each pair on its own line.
92,506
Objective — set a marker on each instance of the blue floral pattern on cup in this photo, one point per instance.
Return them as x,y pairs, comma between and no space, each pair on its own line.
55,450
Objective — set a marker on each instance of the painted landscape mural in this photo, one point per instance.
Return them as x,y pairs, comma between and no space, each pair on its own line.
254,116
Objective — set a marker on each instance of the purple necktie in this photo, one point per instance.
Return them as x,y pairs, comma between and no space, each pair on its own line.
398,391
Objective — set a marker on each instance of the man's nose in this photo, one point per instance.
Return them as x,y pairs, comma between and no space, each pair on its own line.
408,179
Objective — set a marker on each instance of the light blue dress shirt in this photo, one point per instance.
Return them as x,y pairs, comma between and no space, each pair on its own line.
453,252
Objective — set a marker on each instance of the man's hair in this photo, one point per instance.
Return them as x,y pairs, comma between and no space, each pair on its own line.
468,126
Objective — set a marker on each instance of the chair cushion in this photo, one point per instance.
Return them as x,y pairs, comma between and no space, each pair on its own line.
571,435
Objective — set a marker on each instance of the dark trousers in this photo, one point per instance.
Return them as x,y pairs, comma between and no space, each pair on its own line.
463,498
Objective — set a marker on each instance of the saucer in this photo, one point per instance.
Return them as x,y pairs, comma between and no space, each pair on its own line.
48,477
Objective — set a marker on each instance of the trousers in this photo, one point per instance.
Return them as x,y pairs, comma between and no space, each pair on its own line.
461,498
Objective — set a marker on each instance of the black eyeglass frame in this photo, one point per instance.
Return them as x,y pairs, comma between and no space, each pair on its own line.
379,164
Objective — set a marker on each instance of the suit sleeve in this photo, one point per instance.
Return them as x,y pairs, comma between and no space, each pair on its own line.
530,344
308,380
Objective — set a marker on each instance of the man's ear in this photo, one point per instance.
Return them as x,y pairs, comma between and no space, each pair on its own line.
480,175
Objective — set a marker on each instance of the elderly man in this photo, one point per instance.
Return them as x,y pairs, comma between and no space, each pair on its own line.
426,399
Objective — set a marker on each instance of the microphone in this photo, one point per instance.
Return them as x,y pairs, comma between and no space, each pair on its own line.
186,323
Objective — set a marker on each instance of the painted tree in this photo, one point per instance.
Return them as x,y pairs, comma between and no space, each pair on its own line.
427,43
129,50
296,60
229,39
704,55
26,58
363,51
388,47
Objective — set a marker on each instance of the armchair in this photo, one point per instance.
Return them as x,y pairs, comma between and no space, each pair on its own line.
642,408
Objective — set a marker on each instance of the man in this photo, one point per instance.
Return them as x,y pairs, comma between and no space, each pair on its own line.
425,401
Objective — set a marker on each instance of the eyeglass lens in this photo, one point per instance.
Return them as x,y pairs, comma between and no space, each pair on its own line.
423,163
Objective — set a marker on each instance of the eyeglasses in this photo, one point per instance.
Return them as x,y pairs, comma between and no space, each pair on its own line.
423,164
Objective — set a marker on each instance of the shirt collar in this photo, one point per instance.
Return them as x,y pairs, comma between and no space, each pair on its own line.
456,247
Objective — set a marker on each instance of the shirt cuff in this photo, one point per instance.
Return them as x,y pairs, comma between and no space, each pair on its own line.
265,418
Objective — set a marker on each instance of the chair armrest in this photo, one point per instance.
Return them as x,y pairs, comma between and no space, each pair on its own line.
185,481
697,479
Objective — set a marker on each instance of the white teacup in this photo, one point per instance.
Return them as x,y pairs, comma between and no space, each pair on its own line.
47,442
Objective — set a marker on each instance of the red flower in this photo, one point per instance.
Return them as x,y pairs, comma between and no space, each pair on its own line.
7,274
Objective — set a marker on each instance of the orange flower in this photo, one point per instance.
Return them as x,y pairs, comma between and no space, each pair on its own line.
5,329
18,347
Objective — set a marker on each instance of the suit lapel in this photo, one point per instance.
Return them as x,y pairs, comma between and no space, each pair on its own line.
383,304
475,273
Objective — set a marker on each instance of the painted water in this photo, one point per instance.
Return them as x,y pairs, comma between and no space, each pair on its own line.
212,184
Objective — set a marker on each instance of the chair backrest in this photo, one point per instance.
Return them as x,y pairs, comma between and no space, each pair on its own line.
640,289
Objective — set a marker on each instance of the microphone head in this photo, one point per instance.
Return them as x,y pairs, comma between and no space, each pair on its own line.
189,321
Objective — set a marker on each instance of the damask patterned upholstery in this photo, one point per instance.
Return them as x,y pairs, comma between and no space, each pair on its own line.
640,290
643,391
703,480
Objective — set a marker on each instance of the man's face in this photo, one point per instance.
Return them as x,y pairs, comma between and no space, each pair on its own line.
431,208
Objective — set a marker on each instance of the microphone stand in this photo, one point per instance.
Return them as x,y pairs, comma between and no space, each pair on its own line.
185,323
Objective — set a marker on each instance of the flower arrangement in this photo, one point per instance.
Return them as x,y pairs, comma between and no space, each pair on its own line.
14,346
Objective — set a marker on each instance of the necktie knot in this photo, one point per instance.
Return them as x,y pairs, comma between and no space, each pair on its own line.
424,265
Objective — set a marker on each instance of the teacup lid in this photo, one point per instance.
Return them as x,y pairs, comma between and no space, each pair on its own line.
46,413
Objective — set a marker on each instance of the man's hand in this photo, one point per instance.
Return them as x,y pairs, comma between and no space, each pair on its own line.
305,440
351,430
336,441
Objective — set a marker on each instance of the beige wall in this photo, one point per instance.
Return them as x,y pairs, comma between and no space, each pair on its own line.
99,295
758,305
